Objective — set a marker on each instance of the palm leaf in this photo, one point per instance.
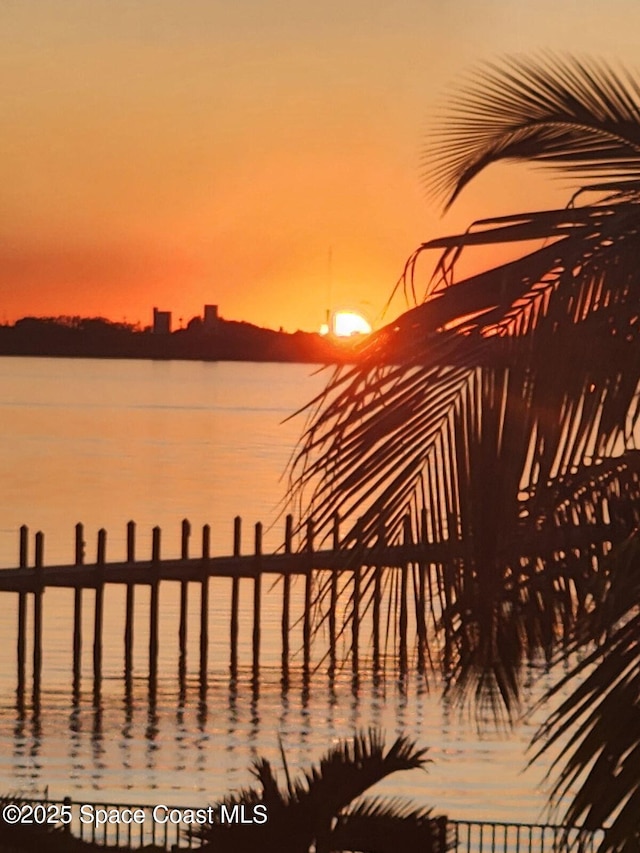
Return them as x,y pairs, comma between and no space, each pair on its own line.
480,408
578,116
598,724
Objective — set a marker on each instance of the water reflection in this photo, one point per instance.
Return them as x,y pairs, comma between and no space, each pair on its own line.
187,744
126,733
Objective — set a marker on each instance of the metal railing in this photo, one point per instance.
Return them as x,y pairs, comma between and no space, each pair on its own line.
495,837
118,826
112,825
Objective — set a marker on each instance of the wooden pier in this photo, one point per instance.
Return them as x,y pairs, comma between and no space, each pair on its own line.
337,566
342,583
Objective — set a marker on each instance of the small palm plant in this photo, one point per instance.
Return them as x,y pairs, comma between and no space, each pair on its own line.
318,811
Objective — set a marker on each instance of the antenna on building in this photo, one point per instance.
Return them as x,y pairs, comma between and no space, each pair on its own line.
329,285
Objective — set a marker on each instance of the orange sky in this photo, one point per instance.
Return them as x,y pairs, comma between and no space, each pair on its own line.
178,152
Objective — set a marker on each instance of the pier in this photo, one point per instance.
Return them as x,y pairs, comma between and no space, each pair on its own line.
356,571
322,569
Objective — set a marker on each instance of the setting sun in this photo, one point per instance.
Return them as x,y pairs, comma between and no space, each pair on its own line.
347,323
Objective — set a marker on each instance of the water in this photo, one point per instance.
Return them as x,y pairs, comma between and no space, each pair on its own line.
104,442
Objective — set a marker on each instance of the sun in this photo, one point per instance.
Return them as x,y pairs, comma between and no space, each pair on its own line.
347,323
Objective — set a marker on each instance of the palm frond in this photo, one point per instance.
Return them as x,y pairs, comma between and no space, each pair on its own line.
568,113
598,725
504,379
504,409
351,767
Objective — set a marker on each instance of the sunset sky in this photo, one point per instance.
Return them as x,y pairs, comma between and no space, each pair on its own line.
177,152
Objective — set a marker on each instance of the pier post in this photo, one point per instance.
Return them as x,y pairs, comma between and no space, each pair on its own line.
37,617
129,611
154,607
404,582
355,612
286,602
421,598
333,596
434,507
257,599
22,615
448,570
377,598
235,598
308,589
98,611
204,609
184,592
77,610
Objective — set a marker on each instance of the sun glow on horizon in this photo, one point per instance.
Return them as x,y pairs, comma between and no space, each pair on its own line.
347,323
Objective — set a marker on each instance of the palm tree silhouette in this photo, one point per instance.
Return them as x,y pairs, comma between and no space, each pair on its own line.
326,810
502,413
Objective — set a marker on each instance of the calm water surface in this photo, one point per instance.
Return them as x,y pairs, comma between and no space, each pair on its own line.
104,442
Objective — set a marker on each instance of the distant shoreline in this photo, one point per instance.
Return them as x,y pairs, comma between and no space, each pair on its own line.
75,337
172,358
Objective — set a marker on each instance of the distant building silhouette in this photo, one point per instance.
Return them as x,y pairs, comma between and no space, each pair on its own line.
211,318
161,322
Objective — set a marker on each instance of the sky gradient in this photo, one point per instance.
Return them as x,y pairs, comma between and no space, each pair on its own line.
177,152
